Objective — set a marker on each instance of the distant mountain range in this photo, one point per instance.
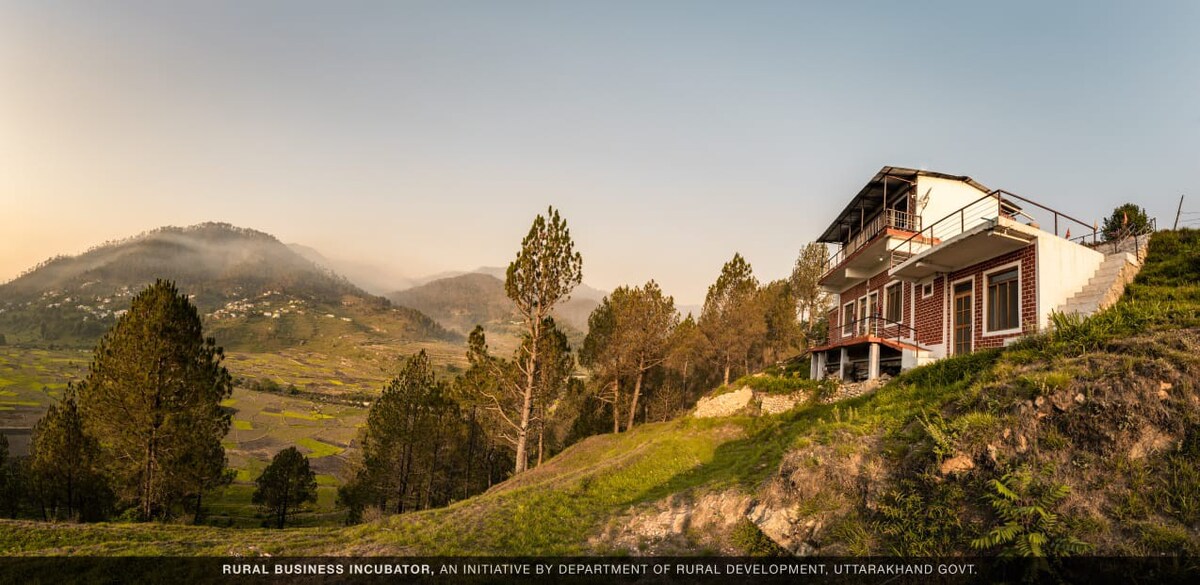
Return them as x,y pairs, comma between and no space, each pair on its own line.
462,301
257,293
253,291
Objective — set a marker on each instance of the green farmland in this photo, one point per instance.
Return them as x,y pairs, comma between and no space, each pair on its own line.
263,423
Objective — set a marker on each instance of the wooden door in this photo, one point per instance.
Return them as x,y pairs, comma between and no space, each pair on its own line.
963,316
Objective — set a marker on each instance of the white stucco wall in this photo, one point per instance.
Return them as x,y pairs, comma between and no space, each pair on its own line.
945,196
1063,268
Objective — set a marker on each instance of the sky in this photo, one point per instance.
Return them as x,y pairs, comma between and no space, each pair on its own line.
425,136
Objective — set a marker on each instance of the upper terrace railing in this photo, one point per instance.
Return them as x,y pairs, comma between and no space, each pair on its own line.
889,218
987,209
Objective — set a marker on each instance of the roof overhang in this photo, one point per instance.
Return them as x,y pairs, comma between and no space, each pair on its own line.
891,181
982,242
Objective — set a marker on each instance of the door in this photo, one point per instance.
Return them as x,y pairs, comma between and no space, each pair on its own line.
963,313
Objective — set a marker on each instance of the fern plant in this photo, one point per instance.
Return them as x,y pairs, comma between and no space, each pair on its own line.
1030,526
943,434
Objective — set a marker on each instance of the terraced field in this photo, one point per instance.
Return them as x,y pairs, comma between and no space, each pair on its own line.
321,423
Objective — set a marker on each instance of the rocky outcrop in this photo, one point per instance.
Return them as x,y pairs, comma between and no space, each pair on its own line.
727,404
676,525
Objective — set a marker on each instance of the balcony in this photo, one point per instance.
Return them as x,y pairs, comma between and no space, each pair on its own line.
987,227
888,219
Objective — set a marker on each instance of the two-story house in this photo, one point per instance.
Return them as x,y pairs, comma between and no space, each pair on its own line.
926,265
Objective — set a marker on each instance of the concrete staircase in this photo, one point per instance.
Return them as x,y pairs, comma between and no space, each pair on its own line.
1121,263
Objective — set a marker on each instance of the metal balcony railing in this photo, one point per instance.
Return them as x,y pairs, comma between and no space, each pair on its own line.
876,326
987,209
888,218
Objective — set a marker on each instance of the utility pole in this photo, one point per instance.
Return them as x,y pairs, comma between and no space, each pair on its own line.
1178,211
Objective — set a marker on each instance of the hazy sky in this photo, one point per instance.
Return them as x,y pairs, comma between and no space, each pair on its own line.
425,136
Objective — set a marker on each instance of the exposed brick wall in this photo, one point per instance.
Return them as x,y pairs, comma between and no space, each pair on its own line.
1028,259
835,322
930,314
875,284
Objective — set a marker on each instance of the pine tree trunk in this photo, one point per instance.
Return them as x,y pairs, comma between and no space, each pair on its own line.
616,406
522,462
149,481
405,470
541,434
637,391
466,489
726,382
283,505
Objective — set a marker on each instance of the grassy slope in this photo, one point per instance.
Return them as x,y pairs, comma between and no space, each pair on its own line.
1124,449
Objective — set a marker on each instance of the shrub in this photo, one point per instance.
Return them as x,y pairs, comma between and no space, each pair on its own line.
752,542
921,518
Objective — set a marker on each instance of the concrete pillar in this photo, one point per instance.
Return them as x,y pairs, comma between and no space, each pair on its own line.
842,364
873,362
815,366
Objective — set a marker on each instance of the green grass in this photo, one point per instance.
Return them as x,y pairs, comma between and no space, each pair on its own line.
242,425
318,449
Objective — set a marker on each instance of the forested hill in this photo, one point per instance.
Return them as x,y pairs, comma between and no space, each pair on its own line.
236,276
477,298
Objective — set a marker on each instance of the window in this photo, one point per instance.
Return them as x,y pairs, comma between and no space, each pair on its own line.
926,290
863,313
848,319
1003,299
894,302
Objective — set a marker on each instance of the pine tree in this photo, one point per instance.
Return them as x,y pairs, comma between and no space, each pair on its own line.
546,270
64,462
488,457
646,324
783,333
285,485
731,319
628,335
688,349
152,394
601,355
408,444
553,376
812,301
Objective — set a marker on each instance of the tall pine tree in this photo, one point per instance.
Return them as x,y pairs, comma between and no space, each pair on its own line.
153,397
546,270
408,444
732,319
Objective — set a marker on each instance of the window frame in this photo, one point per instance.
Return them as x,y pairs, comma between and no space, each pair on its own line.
887,302
848,317
987,299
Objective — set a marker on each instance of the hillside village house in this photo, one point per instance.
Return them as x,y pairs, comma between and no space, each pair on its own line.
927,265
